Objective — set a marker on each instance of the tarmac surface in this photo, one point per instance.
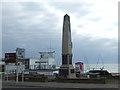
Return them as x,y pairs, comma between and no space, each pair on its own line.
13,84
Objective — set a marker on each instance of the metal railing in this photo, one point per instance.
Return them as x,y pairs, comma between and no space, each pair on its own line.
35,67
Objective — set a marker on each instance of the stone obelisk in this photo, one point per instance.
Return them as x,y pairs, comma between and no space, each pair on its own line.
67,70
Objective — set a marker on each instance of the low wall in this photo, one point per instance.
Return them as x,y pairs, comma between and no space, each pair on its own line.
35,78
97,81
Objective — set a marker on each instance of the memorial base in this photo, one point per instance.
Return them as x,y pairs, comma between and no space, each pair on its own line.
67,71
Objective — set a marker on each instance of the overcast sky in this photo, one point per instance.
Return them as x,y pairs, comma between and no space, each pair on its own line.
33,25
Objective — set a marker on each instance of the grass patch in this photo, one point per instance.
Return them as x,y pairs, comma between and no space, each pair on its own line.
52,80
1,74
111,80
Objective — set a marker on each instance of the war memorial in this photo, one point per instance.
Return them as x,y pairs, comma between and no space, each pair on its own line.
66,77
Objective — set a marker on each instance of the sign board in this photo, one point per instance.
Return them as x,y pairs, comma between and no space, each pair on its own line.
79,66
20,53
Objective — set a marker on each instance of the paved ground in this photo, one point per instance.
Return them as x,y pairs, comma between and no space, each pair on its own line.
58,85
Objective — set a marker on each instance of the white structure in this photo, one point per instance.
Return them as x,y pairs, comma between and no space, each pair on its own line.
33,64
44,65
48,56
46,61
12,67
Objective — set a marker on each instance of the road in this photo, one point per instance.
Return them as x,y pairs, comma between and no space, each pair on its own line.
58,85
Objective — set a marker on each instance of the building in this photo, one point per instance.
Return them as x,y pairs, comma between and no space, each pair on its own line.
2,64
20,53
15,61
43,65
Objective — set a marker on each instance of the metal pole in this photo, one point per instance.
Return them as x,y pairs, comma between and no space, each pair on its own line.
17,74
22,74
1,76
7,75
7,72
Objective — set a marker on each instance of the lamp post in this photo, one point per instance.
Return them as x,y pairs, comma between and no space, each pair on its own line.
22,74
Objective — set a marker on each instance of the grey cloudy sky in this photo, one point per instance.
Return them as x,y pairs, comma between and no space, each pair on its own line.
32,25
